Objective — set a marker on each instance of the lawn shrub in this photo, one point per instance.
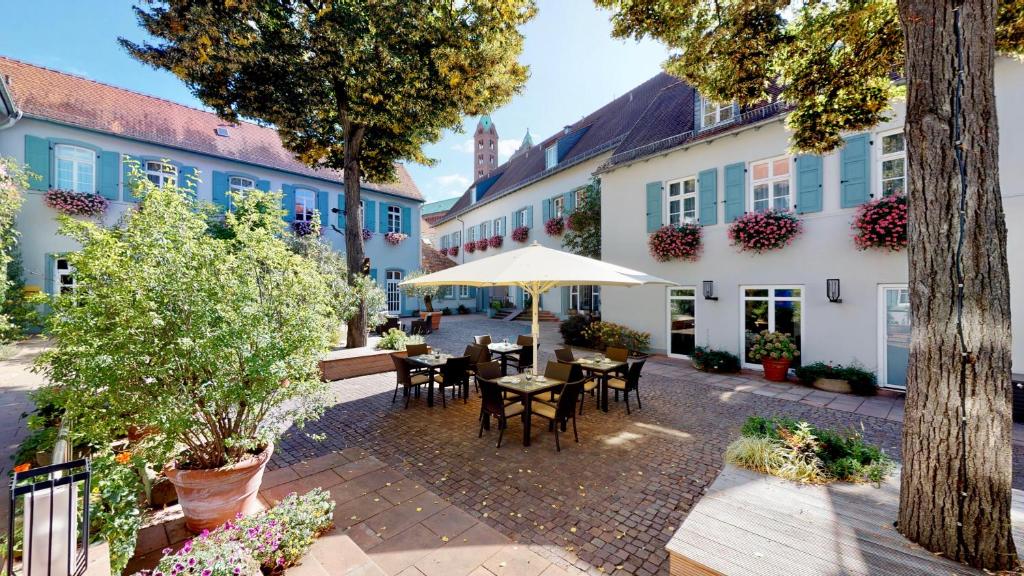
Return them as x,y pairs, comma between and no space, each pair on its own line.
711,360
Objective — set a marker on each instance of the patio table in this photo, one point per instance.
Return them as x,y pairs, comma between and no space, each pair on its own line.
527,389
503,350
603,369
433,363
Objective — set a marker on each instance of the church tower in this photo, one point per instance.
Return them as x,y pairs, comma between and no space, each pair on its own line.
485,145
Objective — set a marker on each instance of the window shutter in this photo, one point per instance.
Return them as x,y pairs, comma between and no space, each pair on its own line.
370,215
855,171
263,185
707,184
341,211
569,201
515,219
406,220
546,209
504,229
109,174
51,270
735,199
288,201
373,273
37,156
529,216
808,183
653,206
383,223
472,291
220,188
565,300
188,177
323,205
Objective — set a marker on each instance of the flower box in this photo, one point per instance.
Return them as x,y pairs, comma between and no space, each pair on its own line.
453,251
882,224
395,238
496,241
482,244
521,234
764,231
76,203
367,234
469,247
555,226
676,243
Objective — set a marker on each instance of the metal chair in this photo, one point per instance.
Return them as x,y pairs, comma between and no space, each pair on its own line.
406,379
630,383
492,404
454,373
559,415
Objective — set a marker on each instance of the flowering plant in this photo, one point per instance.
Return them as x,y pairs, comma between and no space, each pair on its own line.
453,251
555,226
496,241
761,231
882,224
676,242
443,251
772,345
367,234
395,238
469,247
520,234
481,244
305,228
76,203
575,221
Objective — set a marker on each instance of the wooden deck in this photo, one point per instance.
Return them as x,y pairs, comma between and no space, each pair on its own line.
750,524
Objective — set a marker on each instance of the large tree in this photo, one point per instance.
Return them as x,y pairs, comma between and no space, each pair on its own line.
839,64
351,85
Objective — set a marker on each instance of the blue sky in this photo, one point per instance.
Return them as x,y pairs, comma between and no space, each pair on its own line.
575,67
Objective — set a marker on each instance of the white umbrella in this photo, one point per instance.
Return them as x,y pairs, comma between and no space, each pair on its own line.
536,270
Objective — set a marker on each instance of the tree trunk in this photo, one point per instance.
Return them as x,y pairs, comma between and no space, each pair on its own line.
428,302
354,254
955,493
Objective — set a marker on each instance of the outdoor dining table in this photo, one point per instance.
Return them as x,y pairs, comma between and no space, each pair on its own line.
433,363
603,369
527,389
504,350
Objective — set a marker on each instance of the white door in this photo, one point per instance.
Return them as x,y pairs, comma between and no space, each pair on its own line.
682,321
894,335
393,292
771,308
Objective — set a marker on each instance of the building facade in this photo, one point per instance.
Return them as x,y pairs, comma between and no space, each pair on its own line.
83,136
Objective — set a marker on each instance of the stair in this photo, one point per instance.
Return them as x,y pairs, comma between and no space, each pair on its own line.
505,313
542,316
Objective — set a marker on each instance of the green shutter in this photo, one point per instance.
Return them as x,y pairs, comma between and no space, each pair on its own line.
37,156
188,177
653,206
220,188
323,202
383,223
735,199
406,220
546,209
288,201
341,211
48,275
855,171
808,183
370,215
529,216
707,197
110,174
263,185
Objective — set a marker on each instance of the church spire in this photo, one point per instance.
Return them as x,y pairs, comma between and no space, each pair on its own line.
526,145
485,147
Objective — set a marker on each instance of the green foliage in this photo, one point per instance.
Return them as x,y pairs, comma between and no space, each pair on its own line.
711,360
573,328
425,293
601,335
863,382
834,61
213,342
773,345
583,232
395,339
116,512
13,179
756,453
18,315
330,263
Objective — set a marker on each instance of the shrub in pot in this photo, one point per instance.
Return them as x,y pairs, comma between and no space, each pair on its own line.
212,340
711,360
776,352
838,378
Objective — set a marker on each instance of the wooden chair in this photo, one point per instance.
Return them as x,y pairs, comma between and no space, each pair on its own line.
416,349
483,340
406,379
564,355
559,414
492,404
630,383
454,374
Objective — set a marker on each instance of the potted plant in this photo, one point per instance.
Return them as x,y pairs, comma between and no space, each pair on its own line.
211,341
763,231
521,234
776,351
681,242
850,379
76,203
555,226
882,224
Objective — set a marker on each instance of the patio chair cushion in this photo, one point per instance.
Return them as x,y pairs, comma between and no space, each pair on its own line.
513,410
617,383
419,379
589,385
543,409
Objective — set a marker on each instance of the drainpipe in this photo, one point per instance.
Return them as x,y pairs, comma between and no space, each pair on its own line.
462,238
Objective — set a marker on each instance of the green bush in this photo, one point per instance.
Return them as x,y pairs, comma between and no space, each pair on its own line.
863,382
446,311
572,329
710,360
463,309
395,339
604,334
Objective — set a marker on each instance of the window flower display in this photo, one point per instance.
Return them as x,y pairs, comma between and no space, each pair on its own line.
76,203
676,243
482,244
763,231
395,238
453,251
555,226
367,234
521,234
469,247
882,224
496,241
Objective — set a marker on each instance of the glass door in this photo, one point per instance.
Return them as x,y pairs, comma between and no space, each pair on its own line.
394,294
775,309
894,345
682,321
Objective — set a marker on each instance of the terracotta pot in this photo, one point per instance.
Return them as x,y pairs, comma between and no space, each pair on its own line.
775,370
210,498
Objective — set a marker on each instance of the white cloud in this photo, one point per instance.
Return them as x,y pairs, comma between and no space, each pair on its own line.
506,147
466,146
453,181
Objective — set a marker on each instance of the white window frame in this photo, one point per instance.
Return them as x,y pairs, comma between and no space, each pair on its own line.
471,234
463,292
522,215
714,110
302,195
771,299
457,239
770,181
483,230
161,173
496,226
362,215
579,195
681,198
79,157
883,158
551,156
669,298
449,292
240,183
391,290
880,372
558,206
60,274
394,215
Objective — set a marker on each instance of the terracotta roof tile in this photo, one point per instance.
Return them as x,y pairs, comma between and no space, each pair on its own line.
433,261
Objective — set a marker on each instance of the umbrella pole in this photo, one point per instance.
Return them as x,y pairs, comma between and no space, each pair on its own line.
534,298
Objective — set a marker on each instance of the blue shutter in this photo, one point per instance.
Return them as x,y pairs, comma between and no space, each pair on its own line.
220,188
569,202
529,216
383,224
288,201
370,215
263,185
341,211
110,174
515,219
546,209
37,156
855,171
735,199
373,273
48,275
188,177
653,206
698,116
707,197
504,229
472,291
323,204
406,220
565,300
808,183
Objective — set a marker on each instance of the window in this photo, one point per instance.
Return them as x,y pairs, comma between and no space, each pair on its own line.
463,291
682,321
240,184
769,184
394,218
64,278
497,227
457,239
585,298
522,216
362,209
394,294
480,144
161,173
492,160
893,164
557,207
305,203
483,231
449,292
550,156
76,168
492,144
471,234
681,202
715,113
580,196
775,309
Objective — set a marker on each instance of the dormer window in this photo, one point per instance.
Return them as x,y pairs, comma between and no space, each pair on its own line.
715,113
550,156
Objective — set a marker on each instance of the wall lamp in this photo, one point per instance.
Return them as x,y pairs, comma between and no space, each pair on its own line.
709,290
832,290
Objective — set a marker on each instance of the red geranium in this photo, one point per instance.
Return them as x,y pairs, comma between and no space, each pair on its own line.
761,231
496,241
882,224
469,247
520,234
481,244
676,243
555,226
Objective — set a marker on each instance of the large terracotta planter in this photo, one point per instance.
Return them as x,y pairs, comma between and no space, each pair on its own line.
210,498
833,385
775,370
435,319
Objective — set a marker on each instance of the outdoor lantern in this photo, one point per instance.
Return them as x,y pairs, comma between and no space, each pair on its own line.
832,290
709,290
